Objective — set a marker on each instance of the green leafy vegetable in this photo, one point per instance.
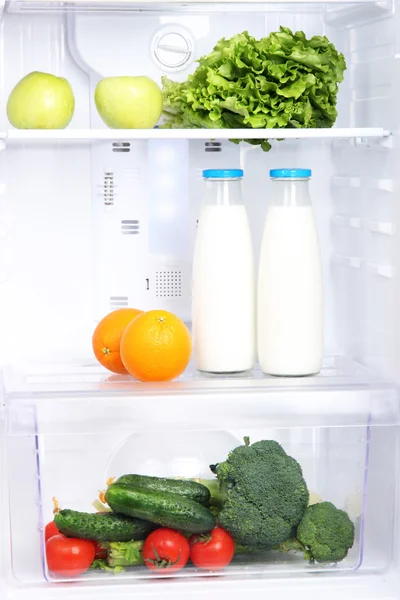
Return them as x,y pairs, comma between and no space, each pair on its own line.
125,554
281,81
100,563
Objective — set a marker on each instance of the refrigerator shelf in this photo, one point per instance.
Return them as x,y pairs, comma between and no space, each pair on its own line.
35,6
24,136
343,394
90,376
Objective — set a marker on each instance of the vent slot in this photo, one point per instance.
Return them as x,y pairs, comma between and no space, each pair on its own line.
121,147
118,302
130,227
168,284
108,188
213,147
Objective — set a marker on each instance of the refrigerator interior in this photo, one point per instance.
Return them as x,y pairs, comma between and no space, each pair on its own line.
86,227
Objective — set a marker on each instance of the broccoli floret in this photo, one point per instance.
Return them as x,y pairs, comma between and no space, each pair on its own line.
266,495
326,532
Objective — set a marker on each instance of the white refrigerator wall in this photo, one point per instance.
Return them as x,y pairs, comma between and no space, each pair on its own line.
90,227
84,228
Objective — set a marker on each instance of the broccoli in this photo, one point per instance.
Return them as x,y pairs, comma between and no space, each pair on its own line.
326,533
266,495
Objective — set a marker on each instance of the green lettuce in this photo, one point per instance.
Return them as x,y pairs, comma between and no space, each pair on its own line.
281,81
125,554
101,564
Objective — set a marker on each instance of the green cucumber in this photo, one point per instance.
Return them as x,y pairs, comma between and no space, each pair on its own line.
185,488
163,508
101,527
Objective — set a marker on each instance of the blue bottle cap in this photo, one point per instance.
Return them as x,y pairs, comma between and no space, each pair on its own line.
290,173
222,173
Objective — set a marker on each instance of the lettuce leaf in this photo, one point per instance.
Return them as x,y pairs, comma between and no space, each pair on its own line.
281,81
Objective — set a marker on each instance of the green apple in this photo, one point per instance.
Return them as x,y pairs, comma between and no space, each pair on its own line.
128,102
41,101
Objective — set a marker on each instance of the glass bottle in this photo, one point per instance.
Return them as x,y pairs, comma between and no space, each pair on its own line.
223,304
290,303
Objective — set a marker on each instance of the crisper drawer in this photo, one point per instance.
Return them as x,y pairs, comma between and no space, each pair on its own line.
67,445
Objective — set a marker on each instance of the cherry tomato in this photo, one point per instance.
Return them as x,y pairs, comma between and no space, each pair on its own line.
212,551
100,552
165,550
50,530
69,556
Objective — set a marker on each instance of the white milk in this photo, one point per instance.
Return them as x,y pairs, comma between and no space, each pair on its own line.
290,332
223,291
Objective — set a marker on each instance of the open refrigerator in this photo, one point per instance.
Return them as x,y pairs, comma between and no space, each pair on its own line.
86,227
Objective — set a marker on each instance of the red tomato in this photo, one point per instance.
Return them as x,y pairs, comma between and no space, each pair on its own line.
50,530
212,551
100,552
165,550
69,556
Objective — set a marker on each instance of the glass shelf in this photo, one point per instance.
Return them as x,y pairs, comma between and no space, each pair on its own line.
25,136
343,394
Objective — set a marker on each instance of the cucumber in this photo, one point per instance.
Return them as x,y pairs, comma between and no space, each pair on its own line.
101,527
185,488
163,508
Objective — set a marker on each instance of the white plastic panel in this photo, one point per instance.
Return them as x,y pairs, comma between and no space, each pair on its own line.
70,446
365,201
46,252
97,192
35,6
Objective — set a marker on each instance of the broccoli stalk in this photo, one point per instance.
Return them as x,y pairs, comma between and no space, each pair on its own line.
217,495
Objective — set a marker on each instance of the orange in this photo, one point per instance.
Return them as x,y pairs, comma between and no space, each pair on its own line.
156,346
107,338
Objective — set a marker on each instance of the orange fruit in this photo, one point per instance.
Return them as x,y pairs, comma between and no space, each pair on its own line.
107,338
156,346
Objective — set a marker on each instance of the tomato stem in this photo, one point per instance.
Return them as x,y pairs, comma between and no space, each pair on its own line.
204,538
161,563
